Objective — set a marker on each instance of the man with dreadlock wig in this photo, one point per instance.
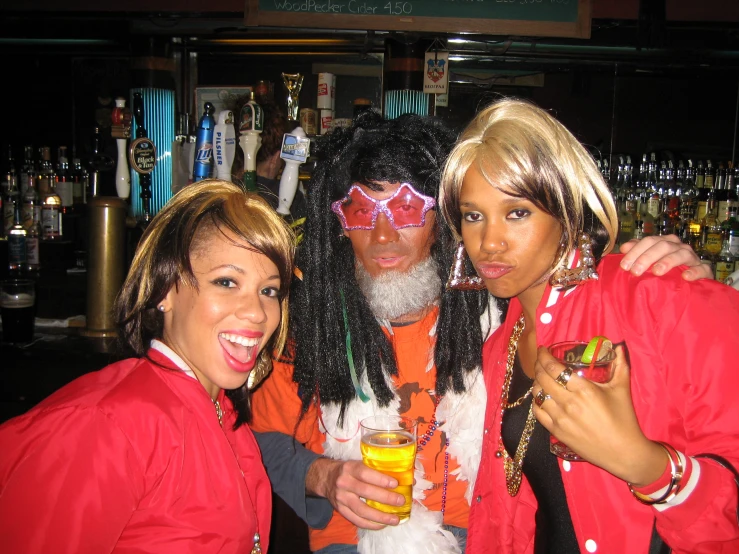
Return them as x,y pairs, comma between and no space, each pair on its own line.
374,333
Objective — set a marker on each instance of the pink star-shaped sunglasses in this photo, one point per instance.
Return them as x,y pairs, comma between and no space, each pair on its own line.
405,208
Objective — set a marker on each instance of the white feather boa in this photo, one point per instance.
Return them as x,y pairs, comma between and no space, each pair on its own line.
463,417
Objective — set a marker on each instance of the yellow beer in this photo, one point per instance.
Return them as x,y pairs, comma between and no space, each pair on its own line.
392,453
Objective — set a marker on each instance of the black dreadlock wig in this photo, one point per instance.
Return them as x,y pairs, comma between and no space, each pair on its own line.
409,149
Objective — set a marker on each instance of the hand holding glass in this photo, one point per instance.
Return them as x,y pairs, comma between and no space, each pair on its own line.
389,446
600,370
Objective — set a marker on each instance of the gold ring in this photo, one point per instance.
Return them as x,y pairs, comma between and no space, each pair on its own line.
541,397
564,377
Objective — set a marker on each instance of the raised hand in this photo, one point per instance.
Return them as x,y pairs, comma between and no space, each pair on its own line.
662,254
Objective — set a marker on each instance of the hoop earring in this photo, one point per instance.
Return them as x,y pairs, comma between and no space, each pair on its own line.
565,277
457,279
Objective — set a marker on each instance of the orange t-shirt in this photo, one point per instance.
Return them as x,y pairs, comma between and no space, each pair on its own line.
276,407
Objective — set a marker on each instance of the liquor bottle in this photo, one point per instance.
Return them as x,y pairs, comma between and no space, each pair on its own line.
638,229
720,184
711,242
33,263
626,219
619,192
725,263
28,170
709,181
674,221
679,177
9,191
16,242
31,212
700,175
728,197
734,236
648,222
688,195
45,171
605,170
664,224
80,183
64,187
653,197
51,214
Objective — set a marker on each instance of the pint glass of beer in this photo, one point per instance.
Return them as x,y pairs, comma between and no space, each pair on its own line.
389,446
17,299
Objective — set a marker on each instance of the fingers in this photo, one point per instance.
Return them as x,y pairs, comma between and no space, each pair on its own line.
549,374
364,474
660,253
356,483
702,271
365,517
620,368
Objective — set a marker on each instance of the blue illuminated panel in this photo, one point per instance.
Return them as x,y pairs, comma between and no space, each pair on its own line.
159,120
399,102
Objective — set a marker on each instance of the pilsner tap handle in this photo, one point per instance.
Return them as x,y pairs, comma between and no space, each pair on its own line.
225,144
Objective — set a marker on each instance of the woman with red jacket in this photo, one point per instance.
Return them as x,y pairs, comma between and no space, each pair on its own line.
153,454
537,221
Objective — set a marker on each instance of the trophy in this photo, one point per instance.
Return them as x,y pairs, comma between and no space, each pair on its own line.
293,84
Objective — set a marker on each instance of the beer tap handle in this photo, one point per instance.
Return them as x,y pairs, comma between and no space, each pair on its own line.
138,114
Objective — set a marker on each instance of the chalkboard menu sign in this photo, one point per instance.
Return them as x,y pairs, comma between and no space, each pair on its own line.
556,18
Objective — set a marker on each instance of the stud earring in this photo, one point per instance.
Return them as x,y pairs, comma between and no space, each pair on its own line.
160,307
565,277
457,278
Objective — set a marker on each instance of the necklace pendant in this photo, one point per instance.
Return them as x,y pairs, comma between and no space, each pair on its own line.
257,545
513,476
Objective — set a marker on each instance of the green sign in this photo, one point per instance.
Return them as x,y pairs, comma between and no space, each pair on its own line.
527,10
555,18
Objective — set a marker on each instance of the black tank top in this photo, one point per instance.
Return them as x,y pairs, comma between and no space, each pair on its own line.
554,531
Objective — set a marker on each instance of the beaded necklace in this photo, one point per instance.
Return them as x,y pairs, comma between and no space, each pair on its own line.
424,439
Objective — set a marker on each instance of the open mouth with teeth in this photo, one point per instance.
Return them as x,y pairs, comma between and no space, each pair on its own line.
240,349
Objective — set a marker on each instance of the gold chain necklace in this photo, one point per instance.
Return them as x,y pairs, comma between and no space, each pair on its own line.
219,412
513,466
257,549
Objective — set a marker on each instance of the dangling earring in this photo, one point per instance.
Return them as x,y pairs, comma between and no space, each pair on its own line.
565,277
261,369
457,279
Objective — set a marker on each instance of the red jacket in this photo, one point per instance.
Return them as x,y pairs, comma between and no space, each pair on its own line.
682,343
131,459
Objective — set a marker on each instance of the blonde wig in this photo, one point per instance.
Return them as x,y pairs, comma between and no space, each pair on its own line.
526,152
162,259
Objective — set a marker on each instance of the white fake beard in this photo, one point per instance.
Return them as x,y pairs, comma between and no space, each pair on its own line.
396,293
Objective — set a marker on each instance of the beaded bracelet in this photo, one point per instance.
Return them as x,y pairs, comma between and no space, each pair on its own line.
676,477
